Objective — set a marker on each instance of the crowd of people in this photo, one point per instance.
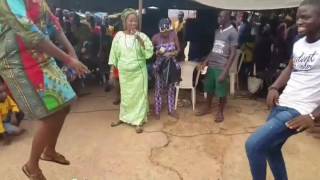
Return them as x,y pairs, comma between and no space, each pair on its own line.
267,43
45,52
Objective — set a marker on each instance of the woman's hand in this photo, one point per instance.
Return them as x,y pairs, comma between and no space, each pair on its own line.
73,53
80,68
170,54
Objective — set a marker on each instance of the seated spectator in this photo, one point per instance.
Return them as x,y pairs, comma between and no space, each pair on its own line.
10,115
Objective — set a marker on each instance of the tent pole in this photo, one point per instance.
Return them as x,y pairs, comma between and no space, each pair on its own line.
140,13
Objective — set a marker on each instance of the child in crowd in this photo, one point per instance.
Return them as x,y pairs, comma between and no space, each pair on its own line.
298,107
10,115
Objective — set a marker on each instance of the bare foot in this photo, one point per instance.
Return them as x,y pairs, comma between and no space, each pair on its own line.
219,117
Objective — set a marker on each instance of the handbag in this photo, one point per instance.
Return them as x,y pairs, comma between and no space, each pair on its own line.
169,72
254,83
247,50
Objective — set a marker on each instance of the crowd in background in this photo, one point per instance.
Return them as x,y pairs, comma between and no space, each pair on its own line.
267,42
265,39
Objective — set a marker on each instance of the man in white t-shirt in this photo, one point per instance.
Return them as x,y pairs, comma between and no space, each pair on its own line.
298,107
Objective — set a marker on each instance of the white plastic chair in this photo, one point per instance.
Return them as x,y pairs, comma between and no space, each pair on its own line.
234,71
187,69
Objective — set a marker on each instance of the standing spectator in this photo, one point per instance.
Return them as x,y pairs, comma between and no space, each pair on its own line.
179,27
219,62
81,33
129,52
104,52
93,46
167,47
262,50
291,34
59,15
244,29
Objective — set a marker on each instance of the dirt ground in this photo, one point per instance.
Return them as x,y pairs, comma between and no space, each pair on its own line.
189,149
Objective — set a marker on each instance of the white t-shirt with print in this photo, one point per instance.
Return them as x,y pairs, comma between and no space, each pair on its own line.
302,92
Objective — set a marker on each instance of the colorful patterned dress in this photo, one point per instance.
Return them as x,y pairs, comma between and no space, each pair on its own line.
130,58
37,84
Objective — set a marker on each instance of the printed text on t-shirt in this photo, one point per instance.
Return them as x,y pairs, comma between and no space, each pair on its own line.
218,47
304,62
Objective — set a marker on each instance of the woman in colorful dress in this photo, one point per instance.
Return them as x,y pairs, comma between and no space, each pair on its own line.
37,84
129,52
167,48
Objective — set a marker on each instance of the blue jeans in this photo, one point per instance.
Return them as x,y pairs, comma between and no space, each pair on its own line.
265,144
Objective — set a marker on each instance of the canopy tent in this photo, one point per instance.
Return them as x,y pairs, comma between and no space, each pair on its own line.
112,6
251,4
116,6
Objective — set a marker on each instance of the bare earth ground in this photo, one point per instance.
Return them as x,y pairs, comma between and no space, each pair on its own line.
190,149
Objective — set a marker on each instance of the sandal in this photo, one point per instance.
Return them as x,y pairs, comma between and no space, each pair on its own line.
57,158
37,176
139,129
115,124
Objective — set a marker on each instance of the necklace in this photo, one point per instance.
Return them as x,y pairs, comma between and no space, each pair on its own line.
129,45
